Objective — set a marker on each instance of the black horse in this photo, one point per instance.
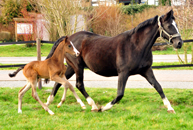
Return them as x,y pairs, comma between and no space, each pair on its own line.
126,54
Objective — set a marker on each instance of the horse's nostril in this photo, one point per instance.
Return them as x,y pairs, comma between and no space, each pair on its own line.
179,45
78,53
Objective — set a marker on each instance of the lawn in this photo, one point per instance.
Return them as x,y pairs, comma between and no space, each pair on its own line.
23,51
139,109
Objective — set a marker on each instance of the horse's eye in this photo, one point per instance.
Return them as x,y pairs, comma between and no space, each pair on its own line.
170,26
69,46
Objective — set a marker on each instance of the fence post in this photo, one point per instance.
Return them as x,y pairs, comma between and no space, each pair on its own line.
38,45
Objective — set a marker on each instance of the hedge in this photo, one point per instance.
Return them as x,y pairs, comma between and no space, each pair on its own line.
132,9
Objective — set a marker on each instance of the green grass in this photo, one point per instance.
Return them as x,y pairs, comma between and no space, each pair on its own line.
154,64
171,68
139,109
23,51
171,51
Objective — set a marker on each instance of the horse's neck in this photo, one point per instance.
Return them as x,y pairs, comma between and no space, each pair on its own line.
150,36
59,53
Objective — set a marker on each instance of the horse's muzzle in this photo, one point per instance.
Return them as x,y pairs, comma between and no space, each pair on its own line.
177,43
77,54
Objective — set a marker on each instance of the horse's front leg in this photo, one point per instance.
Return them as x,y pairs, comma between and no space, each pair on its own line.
80,86
122,79
152,80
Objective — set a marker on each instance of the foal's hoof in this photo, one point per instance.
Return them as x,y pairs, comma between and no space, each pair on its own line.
83,107
94,110
59,105
46,104
171,111
50,112
20,111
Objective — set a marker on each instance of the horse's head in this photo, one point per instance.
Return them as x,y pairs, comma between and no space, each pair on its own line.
168,29
69,47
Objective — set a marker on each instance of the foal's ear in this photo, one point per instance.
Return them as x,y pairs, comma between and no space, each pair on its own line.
66,38
168,15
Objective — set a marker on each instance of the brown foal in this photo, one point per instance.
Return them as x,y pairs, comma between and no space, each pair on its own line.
53,69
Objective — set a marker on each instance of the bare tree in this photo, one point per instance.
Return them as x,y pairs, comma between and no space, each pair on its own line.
184,19
58,13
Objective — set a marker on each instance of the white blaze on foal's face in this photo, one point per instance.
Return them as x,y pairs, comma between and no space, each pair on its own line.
75,50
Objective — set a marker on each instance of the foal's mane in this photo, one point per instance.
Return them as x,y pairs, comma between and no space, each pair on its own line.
55,46
142,25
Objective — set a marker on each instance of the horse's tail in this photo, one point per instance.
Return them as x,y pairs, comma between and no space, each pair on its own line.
15,73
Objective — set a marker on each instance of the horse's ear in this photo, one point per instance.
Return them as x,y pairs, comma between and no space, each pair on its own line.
66,38
168,15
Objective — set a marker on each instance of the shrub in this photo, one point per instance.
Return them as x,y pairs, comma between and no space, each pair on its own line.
166,2
108,20
10,10
132,9
5,36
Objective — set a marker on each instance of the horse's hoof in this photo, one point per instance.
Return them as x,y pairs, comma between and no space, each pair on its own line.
100,109
58,106
83,107
171,111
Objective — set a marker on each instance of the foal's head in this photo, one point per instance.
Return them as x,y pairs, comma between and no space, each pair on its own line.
69,47
168,29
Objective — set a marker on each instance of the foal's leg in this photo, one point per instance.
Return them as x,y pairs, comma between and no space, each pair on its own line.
21,94
36,97
67,85
63,97
68,74
122,79
152,80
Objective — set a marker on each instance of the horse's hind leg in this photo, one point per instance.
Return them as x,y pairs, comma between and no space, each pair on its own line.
21,94
36,97
152,80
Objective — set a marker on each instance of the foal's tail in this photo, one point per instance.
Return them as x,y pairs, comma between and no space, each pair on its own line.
15,73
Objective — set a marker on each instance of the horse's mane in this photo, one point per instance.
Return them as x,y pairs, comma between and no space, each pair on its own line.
142,25
130,32
55,46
